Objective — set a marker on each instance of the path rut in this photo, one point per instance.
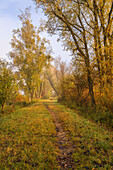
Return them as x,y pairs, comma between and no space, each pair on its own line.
64,143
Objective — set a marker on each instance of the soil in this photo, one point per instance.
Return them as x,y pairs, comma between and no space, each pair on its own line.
64,143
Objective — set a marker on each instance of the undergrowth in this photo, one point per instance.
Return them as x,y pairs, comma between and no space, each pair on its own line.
100,114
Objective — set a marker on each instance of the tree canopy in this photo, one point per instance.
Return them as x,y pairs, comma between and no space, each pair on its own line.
85,28
29,54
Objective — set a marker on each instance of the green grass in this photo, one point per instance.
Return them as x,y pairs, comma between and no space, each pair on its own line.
27,139
93,144
101,115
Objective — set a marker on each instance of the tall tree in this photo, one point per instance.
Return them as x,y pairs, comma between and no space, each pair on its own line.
29,54
66,18
103,36
85,28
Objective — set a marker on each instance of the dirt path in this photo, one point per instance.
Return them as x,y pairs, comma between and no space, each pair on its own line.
64,144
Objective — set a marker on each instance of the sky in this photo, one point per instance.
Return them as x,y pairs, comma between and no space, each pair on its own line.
9,11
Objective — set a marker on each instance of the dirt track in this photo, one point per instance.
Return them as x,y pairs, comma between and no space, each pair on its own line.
64,143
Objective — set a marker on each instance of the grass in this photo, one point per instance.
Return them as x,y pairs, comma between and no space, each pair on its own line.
93,144
28,139
101,115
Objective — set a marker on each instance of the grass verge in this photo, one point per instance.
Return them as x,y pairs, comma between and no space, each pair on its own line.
100,115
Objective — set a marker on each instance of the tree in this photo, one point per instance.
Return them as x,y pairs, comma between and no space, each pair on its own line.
66,18
56,75
8,87
29,55
84,27
102,23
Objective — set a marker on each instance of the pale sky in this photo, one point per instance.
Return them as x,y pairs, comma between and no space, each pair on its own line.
9,11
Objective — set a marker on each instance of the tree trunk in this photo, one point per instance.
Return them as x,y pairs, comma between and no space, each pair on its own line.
32,96
90,83
53,86
97,45
110,72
